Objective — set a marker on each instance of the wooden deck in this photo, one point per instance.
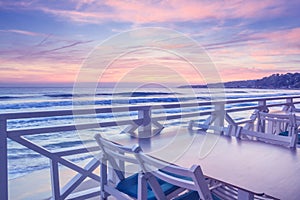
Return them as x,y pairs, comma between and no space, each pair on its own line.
148,124
253,166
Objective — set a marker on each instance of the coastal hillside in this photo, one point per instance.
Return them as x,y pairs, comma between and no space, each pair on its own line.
275,81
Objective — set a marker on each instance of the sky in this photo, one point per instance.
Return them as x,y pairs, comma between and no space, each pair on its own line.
48,42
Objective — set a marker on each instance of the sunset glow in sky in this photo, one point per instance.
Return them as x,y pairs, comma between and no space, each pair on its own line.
46,42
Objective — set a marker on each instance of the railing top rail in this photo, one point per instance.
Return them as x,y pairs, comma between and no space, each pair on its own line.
126,108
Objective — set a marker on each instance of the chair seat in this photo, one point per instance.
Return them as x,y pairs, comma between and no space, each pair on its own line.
286,133
193,195
129,186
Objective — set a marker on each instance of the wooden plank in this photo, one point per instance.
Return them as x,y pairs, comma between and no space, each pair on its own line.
34,131
79,178
3,160
55,185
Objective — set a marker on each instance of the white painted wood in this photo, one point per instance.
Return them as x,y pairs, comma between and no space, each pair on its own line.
273,124
270,138
17,134
154,168
3,159
243,164
55,185
116,156
145,130
244,195
79,178
219,114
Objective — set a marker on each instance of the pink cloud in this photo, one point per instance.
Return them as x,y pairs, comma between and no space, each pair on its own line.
290,36
277,47
254,9
37,71
246,55
180,10
139,12
156,68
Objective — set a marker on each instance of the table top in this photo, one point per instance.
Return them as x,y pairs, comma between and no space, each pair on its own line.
254,166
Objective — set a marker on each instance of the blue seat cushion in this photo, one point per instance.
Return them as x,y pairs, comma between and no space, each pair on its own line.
286,133
193,195
129,186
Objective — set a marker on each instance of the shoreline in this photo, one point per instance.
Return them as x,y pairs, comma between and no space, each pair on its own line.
210,87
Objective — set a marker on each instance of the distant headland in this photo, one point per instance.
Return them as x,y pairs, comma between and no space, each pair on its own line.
275,81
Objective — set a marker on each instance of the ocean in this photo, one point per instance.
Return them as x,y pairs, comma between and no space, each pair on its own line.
22,161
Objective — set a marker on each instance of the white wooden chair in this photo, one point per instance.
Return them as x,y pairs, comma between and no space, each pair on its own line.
194,184
276,123
276,127
129,185
189,179
288,141
296,111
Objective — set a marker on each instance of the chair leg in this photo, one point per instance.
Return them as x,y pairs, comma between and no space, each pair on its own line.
142,187
103,177
191,124
245,195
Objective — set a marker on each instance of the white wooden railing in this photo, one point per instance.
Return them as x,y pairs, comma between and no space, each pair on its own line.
144,124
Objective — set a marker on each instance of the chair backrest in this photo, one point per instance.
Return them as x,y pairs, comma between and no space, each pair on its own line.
295,111
276,123
190,179
118,156
284,140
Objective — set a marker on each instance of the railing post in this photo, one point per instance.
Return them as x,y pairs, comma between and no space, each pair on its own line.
289,104
55,185
263,105
220,114
145,130
3,159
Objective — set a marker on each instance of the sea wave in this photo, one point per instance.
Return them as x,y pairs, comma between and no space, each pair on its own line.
71,95
69,103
